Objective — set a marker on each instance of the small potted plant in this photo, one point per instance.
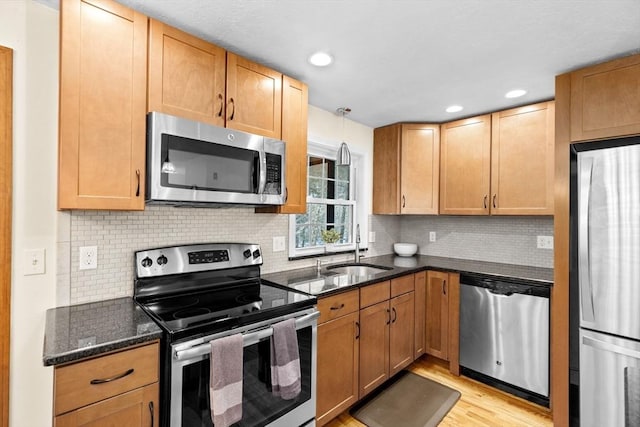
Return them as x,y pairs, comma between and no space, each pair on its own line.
330,237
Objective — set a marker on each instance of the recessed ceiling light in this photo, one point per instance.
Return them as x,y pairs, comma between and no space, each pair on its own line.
515,93
454,109
320,59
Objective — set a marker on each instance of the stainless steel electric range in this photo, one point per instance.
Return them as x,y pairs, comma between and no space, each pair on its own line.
198,293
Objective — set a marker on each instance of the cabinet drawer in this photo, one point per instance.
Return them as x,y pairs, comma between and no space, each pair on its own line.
402,285
338,305
73,383
374,294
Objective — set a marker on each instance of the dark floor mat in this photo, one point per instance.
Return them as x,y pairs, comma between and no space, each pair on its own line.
410,401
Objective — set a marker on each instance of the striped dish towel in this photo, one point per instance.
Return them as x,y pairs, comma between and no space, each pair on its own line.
225,383
285,360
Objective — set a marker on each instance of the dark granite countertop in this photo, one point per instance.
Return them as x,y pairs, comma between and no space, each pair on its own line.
327,282
79,331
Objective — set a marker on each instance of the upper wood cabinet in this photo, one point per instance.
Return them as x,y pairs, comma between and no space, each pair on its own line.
295,105
465,161
605,100
186,75
406,164
103,85
254,97
522,153
192,78
499,164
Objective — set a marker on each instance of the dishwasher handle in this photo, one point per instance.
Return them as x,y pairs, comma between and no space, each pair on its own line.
506,286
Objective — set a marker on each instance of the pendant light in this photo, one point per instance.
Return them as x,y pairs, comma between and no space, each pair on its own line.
344,156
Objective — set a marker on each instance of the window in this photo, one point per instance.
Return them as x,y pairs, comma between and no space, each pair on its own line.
331,204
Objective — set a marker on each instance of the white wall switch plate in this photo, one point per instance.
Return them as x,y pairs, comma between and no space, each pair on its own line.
545,242
432,236
88,257
34,261
278,244
372,236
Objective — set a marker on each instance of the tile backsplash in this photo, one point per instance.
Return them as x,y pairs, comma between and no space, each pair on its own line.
504,239
118,234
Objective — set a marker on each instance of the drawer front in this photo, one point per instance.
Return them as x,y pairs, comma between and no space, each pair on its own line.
402,285
338,305
111,375
374,294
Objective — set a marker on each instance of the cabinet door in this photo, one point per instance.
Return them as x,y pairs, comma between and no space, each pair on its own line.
374,346
605,101
337,372
420,169
522,153
420,304
135,408
465,166
295,105
386,170
401,332
437,313
186,75
103,80
254,97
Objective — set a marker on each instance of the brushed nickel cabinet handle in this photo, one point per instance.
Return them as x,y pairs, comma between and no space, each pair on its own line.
152,414
339,307
221,105
114,378
138,187
233,110
494,200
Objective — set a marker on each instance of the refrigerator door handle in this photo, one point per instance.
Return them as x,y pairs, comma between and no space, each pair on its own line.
584,270
601,345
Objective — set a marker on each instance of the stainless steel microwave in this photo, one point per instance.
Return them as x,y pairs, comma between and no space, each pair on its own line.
196,164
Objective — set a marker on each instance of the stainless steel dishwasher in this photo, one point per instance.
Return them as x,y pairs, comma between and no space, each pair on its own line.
504,335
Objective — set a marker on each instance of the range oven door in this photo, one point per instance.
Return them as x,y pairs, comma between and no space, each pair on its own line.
190,380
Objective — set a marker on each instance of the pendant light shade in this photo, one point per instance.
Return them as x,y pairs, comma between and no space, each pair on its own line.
343,157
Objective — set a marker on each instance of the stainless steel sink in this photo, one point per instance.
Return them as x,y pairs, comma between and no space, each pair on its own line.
358,269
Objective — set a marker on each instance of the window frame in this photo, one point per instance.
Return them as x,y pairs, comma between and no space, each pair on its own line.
329,151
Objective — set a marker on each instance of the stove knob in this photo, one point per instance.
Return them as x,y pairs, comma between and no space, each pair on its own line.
247,253
162,260
146,262
256,253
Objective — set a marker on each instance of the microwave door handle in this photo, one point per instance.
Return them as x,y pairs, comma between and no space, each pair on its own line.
262,170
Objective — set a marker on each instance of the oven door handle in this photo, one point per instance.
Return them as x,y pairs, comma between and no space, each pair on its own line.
247,339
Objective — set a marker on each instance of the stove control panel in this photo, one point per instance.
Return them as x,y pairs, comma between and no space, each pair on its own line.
192,258
208,257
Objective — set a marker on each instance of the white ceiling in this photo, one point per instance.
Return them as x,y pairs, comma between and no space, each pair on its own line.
407,60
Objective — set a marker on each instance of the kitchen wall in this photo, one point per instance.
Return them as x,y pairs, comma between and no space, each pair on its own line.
31,30
118,234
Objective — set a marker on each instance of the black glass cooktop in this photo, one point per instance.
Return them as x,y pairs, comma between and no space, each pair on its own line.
223,307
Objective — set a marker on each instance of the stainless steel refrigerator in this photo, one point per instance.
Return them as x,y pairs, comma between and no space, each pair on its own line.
606,281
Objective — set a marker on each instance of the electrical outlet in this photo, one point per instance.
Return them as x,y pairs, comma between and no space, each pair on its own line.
278,244
432,236
372,236
88,257
34,261
545,242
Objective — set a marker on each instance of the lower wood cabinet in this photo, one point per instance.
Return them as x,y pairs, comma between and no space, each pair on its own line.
420,296
338,355
442,317
118,389
386,331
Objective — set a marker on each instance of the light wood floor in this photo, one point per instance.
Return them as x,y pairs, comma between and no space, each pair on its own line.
479,405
